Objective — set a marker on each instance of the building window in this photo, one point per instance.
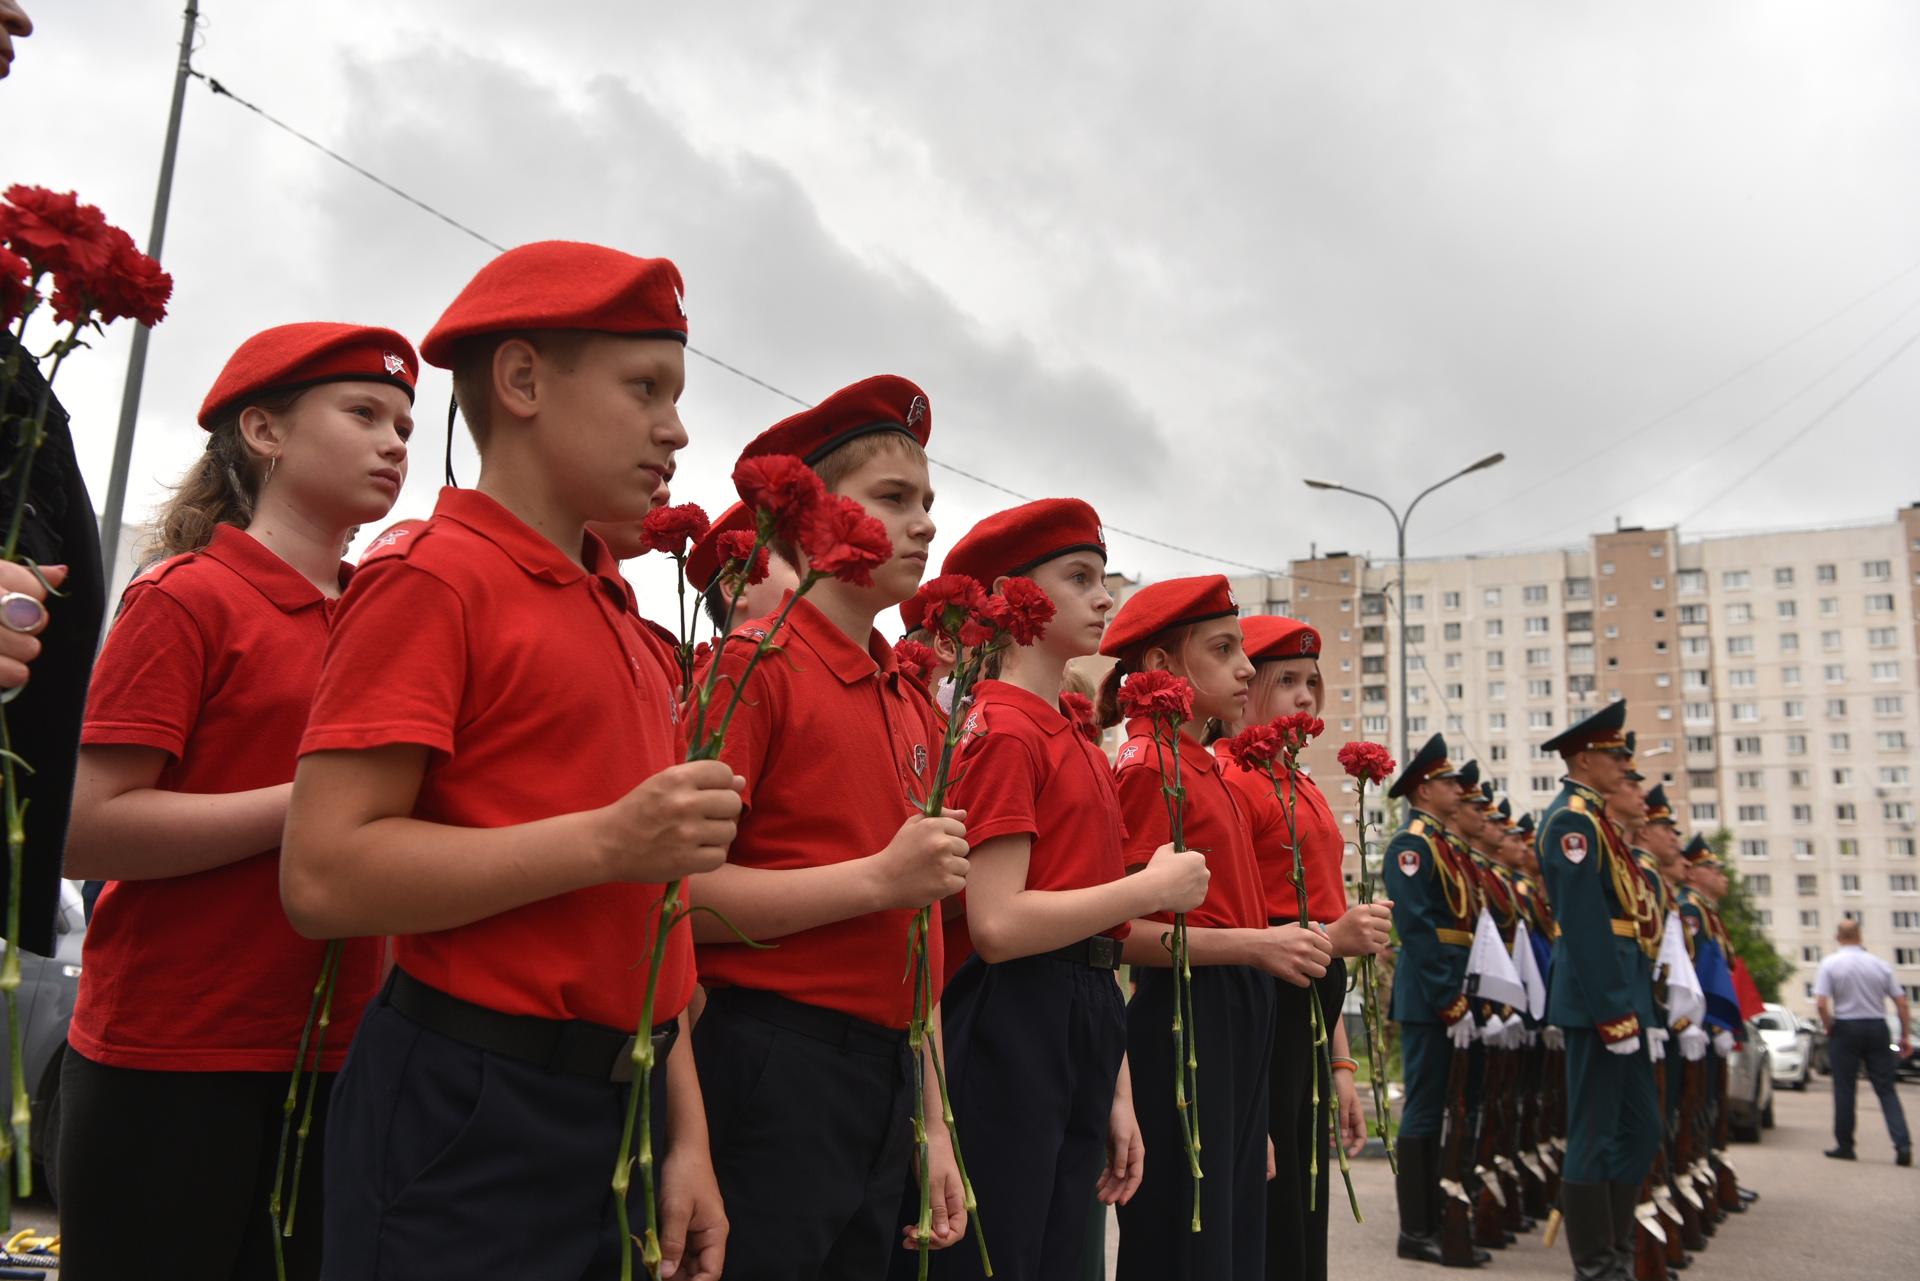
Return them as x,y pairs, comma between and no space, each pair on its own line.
1847,847
1895,775
1830,641
1809,918
1695,646
1373,724
1535,595
1746,711
1579,654
1537,627
1416,603
1799,777
1748,779
1876,571
1885,671
1494,628
1891,740
1834,673
1606,568
1810,954
1753,849
1806,884
1734,580
1691,580
1789,642
1497,752
1449,600
1748,746
1456,691
1416,634
1760,885
1803,848
1491,597
1739,646
1450,631
1697,711
1539,720
1796,745
1496,659
1900,847
1803,814
1786,609
1889,705
1752,814
1906,922
1844,812
1881,637
1880,604
1539,657
1849,883
1740,678
1794,709
1580,622
1539,689
1839,742
1790,675
1543,783
1829,607
1905,956
1496,720
1843,776
1496,689
1904,883
1783,577
1825,574
1740,612
1416,724
1699,745
1659,584
1704,812
1836,709
1897,811
1578,589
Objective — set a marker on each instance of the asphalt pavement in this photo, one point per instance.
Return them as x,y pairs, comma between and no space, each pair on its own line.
1816,1218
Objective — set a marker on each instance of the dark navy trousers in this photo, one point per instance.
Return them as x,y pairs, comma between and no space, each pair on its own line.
1297,1232
1233,1017
1613,1112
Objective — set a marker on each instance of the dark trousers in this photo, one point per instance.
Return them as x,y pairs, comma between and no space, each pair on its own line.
1297,1232
1857,1042
1613,1112
144,1154
1233,1037
1425,1056
810,1114
1033,1051
447,1161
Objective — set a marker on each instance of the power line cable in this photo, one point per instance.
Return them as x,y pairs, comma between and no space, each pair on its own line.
1614,442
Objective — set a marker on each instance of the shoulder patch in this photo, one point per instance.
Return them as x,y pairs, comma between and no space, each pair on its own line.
1128,755
396,541
1577,803
1409,860
976,723
1573,847
1418,827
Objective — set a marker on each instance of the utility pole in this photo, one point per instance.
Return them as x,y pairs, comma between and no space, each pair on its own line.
116,502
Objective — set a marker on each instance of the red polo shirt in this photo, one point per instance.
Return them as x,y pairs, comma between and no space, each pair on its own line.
1023,770
834,743
1213,820
528,680
1322,843
213,661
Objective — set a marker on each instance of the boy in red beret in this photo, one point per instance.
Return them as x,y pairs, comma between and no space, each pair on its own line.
803,1047
489,774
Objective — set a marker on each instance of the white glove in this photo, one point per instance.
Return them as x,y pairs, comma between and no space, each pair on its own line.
1517,1034
1629,1046
1693,1044
1494,1030
1656,1043
1723,1043
1461,1031
1553,1037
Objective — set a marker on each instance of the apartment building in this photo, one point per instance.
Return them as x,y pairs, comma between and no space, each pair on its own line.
1771,678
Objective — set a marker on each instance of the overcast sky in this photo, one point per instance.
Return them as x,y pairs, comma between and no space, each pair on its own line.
1167,258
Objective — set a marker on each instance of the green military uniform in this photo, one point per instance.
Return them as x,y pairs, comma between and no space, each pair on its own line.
1600,993
1434,905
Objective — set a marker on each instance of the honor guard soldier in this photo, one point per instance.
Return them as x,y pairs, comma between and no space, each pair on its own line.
1600,995
1434,906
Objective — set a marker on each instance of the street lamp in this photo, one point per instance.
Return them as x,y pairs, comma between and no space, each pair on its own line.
1400,533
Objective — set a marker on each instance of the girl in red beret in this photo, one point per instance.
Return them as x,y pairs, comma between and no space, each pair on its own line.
1035,1022
195,987
1190,627
1286,680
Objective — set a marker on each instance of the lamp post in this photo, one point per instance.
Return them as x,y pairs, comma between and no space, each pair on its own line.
1400,596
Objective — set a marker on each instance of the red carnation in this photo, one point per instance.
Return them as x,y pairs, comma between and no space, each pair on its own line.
1255,748
734,547
1157,694
130,285
840,539
915,659
1079,710
781,486
1297,730
672,529
16,285
950,600
991,617
1029,609
55,232
1368,762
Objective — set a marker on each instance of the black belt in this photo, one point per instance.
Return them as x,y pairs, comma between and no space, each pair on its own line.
832,1026
571,1046
1101,952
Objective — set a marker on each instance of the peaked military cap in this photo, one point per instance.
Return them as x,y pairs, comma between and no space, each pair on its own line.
1659,808
1470,776
1633,771
1604,731
1698,851
1430,762
1525,824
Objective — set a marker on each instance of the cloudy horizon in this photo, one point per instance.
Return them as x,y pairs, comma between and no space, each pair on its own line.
1171,261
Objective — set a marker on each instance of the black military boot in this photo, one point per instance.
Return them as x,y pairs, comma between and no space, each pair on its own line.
1587,1214
1622,1200
1419,1234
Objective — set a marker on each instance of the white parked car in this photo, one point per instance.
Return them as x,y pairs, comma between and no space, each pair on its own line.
1789,1046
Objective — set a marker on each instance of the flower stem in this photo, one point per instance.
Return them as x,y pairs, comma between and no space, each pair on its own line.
639,1107
287,1108
330,974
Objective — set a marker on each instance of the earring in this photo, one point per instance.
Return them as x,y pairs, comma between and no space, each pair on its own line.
272,461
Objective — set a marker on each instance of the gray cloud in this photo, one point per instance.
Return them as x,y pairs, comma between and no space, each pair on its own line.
1168,259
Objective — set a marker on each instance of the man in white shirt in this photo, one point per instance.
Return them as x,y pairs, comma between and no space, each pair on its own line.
1851,993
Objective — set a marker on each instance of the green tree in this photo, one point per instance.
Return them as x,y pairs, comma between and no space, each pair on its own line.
1744,931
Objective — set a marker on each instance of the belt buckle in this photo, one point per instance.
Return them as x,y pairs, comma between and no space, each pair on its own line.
1103,951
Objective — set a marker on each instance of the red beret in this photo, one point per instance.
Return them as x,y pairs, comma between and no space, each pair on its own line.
1012,542
563,284
1268,638
305,355
1163,605
703,558
913,612
883,403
